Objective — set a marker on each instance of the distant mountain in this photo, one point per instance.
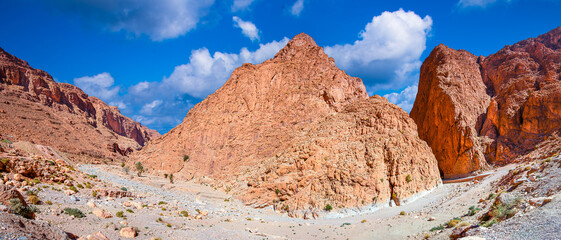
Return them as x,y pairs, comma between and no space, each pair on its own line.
33,107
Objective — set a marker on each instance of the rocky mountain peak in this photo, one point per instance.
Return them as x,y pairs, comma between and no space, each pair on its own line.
301,47
302,126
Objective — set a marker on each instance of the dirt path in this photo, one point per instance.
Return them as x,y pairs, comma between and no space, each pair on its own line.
231,219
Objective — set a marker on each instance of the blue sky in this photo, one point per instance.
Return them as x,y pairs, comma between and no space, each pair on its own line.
155,59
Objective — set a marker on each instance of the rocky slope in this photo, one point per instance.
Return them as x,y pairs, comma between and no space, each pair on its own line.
36,108
474,111
296,129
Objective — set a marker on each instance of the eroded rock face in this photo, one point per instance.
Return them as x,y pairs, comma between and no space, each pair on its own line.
298,133
500,106
450,100
36,108
257,112
369,152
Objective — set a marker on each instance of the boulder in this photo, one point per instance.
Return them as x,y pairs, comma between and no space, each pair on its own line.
101,213
8,192
128,232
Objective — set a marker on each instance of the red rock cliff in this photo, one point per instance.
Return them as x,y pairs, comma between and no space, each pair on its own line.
519,87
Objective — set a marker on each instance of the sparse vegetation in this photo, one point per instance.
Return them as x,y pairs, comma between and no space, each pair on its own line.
94,194
74,189
74,212
130,211
439,227
184,213
48,202
402,213
408,178
185,158
162,203
80,185
473,210
171,178
124,189
33,199
500,211
25,211
139,168
454,222
168,225
120,214
165,175
328,207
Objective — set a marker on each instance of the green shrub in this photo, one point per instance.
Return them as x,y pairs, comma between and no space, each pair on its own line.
129,210
80,185
408,178
185,158
94,194
48,202
453,222
472,211
25,211
168,225
162,203
184,213
124,189
33,199
440,227
139,168
120,214
402,213
165,175
30,193
171,178
74,212
73,189
328,207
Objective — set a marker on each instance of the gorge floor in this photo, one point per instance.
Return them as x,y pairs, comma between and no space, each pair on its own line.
229,219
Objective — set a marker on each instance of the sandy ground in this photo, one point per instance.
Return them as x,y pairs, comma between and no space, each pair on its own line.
229,219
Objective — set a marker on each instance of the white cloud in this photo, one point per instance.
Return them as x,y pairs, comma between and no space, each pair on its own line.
149,107
248,28
205,73
159,19
297,8
405,98
165,103
476,3
241,5
388,51
100,86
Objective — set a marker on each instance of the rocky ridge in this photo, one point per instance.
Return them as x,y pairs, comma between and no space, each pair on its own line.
36,108
478,110
298,133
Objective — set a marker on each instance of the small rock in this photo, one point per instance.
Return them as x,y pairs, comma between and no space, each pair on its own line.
124,223
540,201
432,219
102,213
91,204
68,192
18,177
96,236
74,198
128,232
127,204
